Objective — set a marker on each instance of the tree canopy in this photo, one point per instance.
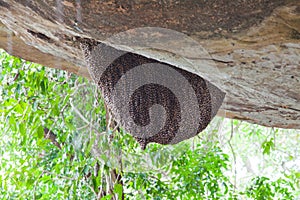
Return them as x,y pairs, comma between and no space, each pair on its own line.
58,142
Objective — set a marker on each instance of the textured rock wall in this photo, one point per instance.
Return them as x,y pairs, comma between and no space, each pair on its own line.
255,45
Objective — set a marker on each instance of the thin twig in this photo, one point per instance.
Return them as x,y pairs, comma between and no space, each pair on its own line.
35,183
58,175
84,119
233,153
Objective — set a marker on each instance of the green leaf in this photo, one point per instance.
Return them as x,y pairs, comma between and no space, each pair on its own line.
267,146
40,132
12,122
118,189
55,110
43,87
107,197
22,128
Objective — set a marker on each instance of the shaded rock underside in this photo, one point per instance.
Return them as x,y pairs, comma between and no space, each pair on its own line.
255,44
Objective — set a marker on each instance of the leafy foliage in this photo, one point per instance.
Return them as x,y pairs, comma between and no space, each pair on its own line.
95,162
264,189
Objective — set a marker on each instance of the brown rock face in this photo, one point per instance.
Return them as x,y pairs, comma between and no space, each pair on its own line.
254,44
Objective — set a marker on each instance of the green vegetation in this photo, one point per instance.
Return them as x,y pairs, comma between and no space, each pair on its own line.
85,160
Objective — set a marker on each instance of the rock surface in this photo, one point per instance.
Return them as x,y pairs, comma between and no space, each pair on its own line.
255,45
